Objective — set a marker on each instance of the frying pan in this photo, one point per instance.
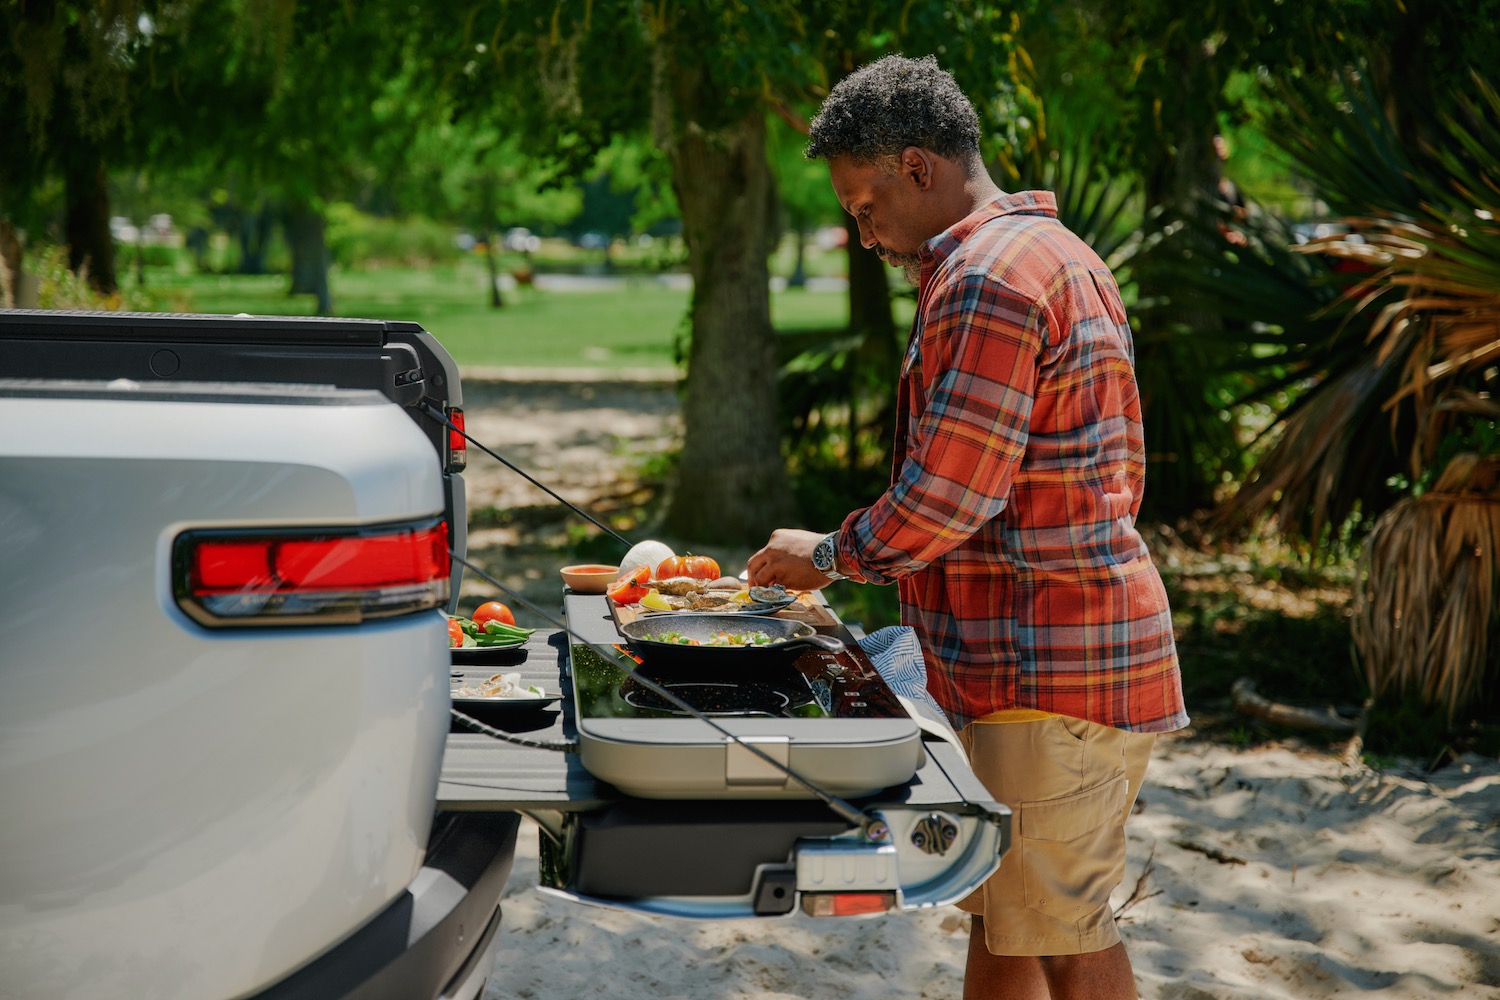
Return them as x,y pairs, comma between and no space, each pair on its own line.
660,654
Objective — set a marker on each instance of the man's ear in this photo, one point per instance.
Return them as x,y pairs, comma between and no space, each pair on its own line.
916,166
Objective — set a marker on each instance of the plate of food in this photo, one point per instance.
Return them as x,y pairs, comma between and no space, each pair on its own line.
491,633
499,691
674,597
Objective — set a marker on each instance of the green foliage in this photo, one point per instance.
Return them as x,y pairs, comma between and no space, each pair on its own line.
358,240
60,288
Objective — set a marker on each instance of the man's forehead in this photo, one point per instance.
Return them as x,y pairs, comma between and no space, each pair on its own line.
849,177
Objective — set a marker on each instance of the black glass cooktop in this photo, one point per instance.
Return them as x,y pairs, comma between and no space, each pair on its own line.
816,685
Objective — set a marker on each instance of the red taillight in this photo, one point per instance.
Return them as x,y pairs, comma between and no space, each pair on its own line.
847,904
332,577
458,445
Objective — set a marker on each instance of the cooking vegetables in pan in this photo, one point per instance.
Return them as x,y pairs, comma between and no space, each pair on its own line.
720,639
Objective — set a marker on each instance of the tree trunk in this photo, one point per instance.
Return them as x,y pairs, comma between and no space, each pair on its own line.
309,255
731,484
882,346
11,260
1187,170
798,278
254,234
91,248
869,288
489,259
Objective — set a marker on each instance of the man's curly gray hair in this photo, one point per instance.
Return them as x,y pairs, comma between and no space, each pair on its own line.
883,107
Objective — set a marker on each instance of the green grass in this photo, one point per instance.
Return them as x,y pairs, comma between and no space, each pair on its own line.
632,325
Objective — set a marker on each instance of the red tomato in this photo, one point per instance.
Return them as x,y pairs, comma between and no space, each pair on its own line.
630,587
493,611
455,632
697,567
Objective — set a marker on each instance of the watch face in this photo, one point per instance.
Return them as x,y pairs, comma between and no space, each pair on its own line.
823,556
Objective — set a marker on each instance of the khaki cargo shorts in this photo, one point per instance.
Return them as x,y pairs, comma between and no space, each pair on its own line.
1070,785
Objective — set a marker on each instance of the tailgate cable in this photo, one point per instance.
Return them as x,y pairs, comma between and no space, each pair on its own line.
442,418
870,826
564,746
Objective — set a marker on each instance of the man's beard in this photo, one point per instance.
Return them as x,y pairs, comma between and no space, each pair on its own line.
910,264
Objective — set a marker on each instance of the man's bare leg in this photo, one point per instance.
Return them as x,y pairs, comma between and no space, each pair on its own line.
1100,975
1000,977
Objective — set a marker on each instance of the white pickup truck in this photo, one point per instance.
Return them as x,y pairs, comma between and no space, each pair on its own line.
226,764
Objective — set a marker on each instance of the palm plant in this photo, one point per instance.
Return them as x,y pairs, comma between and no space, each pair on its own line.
1402,395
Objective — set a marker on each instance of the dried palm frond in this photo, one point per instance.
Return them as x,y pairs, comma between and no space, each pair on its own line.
1424,603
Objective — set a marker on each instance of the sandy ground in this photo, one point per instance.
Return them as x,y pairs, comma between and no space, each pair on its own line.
1268,873
1263,874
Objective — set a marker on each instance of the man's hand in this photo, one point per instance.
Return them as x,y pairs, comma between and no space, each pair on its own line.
787,560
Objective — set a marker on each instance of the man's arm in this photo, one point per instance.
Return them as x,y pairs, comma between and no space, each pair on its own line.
985,342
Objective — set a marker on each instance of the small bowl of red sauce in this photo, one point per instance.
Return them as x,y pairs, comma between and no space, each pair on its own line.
589,578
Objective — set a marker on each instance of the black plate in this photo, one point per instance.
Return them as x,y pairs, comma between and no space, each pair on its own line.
489,654
527,704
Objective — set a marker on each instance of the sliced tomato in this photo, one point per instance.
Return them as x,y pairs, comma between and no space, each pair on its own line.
631,587
455,632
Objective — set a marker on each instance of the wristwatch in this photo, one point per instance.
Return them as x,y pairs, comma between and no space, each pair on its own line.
823,557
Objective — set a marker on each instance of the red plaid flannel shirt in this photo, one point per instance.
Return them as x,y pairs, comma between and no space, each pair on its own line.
1009,525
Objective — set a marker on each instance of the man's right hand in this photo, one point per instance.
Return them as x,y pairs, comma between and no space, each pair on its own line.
787,559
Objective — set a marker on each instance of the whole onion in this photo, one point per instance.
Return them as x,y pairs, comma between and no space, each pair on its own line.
648,553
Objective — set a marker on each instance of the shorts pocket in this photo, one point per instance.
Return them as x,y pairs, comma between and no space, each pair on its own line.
1074,850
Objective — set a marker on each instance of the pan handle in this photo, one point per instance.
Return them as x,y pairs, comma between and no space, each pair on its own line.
824,642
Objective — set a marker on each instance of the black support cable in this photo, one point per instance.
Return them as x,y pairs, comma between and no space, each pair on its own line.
442,418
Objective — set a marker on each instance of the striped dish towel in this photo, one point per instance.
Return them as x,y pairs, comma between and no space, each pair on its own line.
897,657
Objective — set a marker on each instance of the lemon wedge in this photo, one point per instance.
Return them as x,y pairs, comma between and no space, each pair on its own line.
741,597
655,601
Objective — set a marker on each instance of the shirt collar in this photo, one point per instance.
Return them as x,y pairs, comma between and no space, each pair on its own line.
942,246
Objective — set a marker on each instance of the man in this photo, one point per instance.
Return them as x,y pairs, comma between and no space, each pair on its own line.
1009,525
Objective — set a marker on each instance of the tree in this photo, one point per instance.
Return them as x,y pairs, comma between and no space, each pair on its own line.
66,79
704,76
580,77
472,169
144,85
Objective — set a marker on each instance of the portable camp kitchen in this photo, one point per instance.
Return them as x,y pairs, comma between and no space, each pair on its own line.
659,812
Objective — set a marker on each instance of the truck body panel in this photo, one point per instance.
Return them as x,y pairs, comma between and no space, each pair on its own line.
193,811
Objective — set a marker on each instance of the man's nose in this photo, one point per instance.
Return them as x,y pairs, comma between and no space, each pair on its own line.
866,237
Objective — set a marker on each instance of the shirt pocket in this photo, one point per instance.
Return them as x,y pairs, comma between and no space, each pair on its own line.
1074,850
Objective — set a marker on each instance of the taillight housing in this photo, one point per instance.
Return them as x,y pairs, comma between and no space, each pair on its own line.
318,576
458,445
847,904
